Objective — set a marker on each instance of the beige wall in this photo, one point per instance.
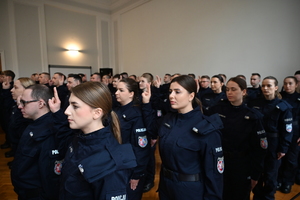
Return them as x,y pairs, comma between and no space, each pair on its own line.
157,36
210,37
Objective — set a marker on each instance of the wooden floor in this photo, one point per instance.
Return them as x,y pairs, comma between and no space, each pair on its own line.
7,193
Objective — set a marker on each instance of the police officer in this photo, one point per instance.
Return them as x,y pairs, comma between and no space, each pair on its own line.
288,169
96,165
17,122
210,99
134,132
33,173
278,126
243,139
190,146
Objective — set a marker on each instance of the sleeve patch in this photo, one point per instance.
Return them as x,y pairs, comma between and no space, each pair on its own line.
264,143
142,141
220,164
289,127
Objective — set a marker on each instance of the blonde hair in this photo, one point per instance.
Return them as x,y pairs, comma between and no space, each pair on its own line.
26,82
148,76
97,95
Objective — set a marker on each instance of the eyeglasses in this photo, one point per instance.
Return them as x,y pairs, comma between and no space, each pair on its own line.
24,103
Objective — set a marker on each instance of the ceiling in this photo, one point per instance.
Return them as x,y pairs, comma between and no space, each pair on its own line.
108,5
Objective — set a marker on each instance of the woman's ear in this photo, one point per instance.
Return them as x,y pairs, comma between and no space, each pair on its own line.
97,113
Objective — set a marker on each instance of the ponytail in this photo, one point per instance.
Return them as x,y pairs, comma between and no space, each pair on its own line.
115,126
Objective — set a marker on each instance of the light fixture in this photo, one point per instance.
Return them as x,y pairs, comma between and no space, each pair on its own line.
73,50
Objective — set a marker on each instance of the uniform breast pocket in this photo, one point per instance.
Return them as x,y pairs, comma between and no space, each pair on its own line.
77,186
189,144
29,151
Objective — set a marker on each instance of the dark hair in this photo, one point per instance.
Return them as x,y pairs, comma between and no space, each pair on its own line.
168,75
255,74
41,92
61,75
132,86
97,95
276,84
190,85
223,75
46,74
292,77
118,76
297,72
97,73
77,77
241,76
218,77
241,82
124,74
192,75
9,73
205,76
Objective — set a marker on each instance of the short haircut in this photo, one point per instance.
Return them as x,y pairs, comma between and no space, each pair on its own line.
205,76
61,75
46,74
77,77
297,72
9,73
168,75
41,92
255,74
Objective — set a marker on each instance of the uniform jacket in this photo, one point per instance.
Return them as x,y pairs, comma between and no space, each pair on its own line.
135,133
211,99
96,166
243,135
277,122
37,154
294,101
190,143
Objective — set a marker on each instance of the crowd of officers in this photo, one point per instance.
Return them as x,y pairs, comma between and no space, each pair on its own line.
78,139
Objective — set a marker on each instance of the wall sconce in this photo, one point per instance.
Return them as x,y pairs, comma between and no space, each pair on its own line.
73,50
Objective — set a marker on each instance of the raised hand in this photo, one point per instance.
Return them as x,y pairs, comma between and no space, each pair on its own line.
54,103
146,94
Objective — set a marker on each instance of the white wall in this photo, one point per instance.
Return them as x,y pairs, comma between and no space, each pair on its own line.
211,37
35,34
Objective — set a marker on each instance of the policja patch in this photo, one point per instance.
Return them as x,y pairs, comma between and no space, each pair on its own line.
220,165
58,166
264,143
289,127
142,141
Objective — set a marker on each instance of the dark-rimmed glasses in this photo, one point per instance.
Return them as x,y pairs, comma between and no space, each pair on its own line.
24,103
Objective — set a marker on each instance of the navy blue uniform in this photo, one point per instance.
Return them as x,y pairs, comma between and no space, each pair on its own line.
134,132
96,167
288,169
34,174
16,127
211,99
7,104
278,126
253,93
203,91
191,154
244,145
